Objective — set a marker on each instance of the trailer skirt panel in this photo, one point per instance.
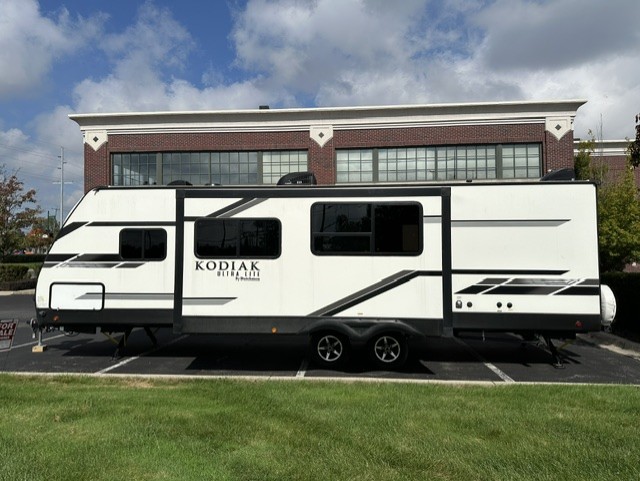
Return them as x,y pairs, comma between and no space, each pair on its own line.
303,325
106,319
510,322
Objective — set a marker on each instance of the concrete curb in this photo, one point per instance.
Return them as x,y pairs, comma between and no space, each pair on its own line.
18,293
609,341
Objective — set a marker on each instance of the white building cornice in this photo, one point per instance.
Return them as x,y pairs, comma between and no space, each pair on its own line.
339,118
606,148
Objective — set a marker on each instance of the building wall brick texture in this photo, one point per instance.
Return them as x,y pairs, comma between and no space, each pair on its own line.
97,167
556,153
615,166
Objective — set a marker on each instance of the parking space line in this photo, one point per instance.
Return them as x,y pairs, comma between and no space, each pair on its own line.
33,343
303,368
131,359
498,372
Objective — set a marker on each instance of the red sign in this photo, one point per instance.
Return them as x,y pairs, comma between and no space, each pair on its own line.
7,331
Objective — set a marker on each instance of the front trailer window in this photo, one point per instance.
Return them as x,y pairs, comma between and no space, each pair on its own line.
143,244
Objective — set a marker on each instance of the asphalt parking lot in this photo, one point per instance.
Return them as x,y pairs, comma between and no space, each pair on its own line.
496,358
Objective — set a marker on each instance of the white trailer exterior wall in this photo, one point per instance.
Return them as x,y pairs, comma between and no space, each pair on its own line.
513,257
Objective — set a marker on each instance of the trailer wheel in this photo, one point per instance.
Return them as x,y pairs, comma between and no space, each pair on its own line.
329,349
388,350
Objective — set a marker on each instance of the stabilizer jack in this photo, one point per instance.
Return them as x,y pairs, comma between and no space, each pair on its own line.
555,355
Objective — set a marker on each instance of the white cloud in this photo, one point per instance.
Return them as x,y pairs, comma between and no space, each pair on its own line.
155,39
571,49
147,60
30,43
36,163
352,53
557,35
55,129
329,45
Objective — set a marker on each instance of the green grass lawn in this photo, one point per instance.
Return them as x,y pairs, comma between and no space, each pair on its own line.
136,429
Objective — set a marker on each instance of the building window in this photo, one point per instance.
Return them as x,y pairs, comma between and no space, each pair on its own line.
477,161
410,164
521,161
234,168
276,164
354,165
406,164
134,169
366,229
205,168
192,167
239,238
465,162
143,244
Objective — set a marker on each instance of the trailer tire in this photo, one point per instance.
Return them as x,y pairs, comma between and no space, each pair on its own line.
388,350
329,349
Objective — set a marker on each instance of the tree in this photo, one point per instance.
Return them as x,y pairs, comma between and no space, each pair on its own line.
618,209
582,160
583,165
634,147
619,222
42,234
15,215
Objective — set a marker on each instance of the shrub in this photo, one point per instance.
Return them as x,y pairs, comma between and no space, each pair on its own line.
18,285
10,272
24,259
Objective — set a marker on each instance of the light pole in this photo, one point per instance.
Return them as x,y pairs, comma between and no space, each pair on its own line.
62,162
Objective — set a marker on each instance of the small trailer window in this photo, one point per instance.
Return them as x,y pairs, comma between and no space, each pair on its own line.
241,238
143,244
366,229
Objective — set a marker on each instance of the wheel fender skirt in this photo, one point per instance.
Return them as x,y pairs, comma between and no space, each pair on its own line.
392,326
331,325
358,330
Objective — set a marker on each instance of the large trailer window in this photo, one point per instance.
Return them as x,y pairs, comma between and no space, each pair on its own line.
366,229
143,244
241,238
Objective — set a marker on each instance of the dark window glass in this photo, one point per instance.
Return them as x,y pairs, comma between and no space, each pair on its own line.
259,238
397,229
341,217
155,244
131,244
342,244
247,238
216,238
367,229
143,244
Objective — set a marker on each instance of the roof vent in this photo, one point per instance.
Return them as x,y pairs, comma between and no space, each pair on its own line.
264,107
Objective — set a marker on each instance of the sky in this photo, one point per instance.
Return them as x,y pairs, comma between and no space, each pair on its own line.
59,57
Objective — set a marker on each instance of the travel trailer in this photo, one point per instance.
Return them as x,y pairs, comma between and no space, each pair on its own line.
367,265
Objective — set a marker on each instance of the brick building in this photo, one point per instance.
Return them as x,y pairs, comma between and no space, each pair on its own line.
441,142
612,155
